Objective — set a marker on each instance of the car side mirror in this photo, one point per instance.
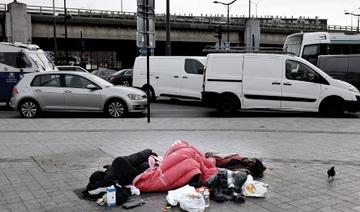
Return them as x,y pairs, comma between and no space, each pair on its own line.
92,87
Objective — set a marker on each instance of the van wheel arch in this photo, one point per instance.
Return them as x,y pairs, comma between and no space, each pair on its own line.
228,103
332,106
152,92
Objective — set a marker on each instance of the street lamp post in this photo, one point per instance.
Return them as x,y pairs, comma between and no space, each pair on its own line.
256,6
228,18
358,17
351,16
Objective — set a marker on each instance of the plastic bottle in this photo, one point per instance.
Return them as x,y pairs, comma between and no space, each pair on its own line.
111,196
207,198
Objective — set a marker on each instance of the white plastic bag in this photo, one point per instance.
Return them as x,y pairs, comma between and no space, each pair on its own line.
188,198
253,188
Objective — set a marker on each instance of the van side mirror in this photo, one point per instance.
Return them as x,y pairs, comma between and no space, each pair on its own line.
201,71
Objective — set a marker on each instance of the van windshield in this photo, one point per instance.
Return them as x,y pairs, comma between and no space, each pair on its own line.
41,60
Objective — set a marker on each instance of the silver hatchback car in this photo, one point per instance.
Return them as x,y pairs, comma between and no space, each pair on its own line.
74,91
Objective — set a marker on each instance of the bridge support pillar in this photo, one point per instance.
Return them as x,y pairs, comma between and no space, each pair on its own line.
18,23
252,33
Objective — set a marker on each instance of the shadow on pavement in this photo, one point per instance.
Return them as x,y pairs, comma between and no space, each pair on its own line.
277,114
5,108
82,115
179,102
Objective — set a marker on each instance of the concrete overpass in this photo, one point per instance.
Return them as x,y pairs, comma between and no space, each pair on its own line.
99,33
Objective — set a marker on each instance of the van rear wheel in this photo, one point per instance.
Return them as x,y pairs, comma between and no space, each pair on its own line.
227,106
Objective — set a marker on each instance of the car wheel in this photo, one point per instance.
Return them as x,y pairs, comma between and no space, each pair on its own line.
29,109
116,109
227,106
333,108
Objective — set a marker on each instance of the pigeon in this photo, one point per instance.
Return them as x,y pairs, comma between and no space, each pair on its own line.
331,172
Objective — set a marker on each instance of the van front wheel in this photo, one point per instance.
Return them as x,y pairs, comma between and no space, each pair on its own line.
227,106
332,107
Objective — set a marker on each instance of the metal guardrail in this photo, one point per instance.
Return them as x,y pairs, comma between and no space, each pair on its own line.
212,20
267,22
341,28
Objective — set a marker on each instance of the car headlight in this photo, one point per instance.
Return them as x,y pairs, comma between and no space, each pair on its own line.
135,97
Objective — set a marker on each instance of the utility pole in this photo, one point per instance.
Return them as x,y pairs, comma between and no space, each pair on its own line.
249,9
54,31
66,36
168,44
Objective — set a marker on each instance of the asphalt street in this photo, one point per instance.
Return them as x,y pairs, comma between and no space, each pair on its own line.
44,161
165,108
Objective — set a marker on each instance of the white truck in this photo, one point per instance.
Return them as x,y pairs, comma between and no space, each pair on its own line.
274,81
170,76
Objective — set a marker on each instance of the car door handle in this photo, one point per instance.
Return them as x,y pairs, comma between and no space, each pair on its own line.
176,76
38,90
157,77
184,77
288,84
67,91
275,83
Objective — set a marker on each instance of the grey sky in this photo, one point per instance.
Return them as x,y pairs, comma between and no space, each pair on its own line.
333,10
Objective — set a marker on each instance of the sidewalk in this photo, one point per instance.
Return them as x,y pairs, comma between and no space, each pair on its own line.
42,161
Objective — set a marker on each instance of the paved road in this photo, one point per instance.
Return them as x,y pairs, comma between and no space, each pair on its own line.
43,160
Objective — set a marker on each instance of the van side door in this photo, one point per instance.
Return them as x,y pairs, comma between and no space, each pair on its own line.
191,79
262,77
167,76
301,87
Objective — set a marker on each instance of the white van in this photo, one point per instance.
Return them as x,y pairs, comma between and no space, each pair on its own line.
17,59
274,81
171,76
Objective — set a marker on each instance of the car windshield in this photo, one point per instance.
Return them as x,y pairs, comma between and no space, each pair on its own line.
99,81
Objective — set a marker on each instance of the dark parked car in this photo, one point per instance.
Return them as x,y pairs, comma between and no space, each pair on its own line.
104,73
342,67
122,77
